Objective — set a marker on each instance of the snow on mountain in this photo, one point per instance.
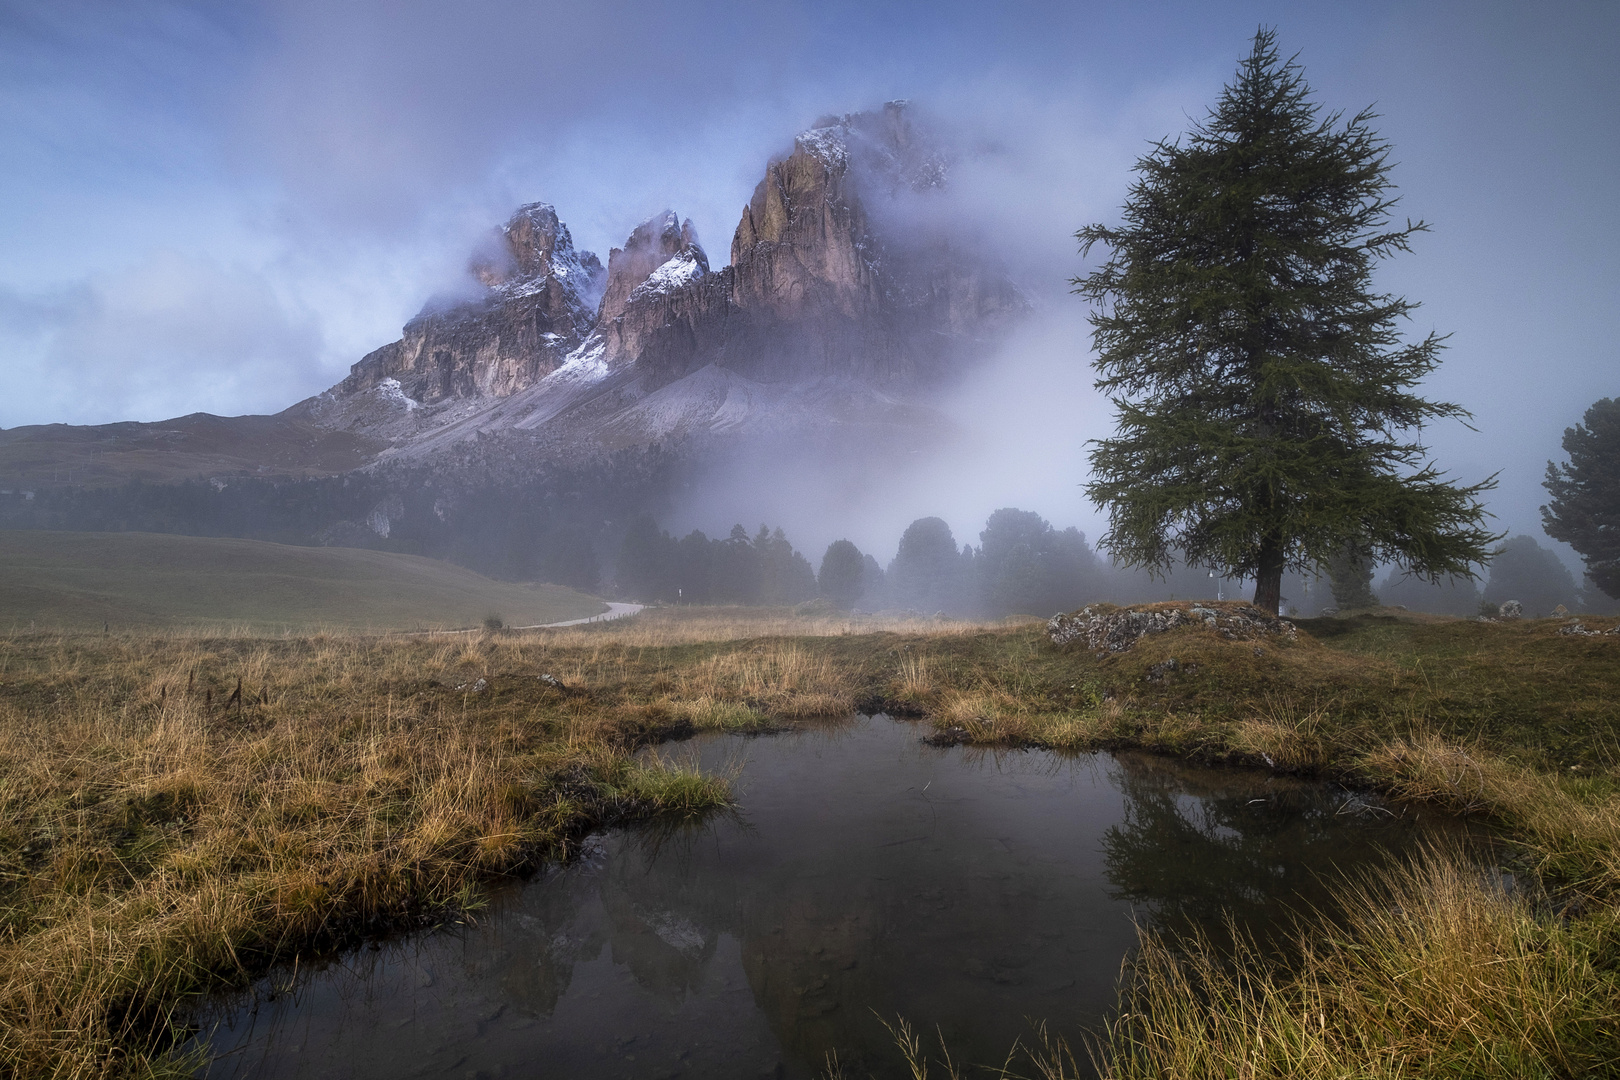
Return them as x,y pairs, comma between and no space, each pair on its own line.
812,326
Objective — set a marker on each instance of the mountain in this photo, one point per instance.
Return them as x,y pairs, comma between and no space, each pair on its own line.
833,312
521,426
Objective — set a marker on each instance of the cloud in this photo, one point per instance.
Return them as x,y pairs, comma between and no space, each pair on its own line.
167,336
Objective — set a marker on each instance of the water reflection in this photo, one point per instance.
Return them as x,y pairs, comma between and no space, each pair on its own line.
1196,845
866,872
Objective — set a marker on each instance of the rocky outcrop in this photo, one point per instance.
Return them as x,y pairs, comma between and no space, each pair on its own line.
840,313
1105,629
663,246
826,278
539,304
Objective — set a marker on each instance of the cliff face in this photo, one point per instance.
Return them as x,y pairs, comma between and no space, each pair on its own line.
836,297
815,289
540,303
844,305
661,245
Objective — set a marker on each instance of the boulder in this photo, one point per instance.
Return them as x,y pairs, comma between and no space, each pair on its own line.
1511,609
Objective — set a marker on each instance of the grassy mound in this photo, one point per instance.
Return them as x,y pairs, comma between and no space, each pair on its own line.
80,581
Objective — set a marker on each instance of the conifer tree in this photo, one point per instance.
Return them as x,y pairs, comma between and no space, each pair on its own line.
1584,511
841,571
1350,575
1264,393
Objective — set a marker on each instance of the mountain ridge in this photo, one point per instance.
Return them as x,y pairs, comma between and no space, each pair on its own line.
822,323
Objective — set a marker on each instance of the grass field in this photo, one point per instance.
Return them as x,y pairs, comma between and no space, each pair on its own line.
163,836
123,581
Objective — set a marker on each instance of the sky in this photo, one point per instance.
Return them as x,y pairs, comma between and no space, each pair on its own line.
221,206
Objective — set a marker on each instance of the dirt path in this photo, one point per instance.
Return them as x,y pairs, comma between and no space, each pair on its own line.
614,611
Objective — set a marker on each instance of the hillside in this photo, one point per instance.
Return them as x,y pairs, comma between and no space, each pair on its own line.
65,580
45,455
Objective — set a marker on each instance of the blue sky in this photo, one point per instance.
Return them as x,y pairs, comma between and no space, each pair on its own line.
221,206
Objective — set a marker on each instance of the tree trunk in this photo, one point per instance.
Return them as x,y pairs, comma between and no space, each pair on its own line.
1268,578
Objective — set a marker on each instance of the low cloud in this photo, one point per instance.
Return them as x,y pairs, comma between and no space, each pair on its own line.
167,336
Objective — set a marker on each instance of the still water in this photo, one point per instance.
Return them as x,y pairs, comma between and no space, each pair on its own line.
865,876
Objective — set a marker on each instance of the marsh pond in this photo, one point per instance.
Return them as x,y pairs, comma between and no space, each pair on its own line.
865,876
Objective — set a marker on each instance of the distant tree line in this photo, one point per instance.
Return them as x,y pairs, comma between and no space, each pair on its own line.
588,525
1021,565
653,566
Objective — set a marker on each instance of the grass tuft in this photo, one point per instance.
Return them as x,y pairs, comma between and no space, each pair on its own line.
1435,971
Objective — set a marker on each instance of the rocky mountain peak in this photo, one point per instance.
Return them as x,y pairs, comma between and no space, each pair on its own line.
533,246
540,304
807,232
839,302
662,253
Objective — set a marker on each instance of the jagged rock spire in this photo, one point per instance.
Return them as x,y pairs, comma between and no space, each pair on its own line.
655,242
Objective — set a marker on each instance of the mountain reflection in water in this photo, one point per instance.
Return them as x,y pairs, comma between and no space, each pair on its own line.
865,875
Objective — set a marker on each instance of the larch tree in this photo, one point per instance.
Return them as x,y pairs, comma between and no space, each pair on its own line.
1267,413
1584,511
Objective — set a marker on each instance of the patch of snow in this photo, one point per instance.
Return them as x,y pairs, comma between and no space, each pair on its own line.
674,273
584,364
826,144
390,390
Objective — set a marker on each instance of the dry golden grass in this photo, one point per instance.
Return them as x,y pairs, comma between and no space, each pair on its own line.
779,678
1435,971
160,835
158,838
1573,832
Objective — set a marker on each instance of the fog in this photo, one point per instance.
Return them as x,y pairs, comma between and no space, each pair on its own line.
220,207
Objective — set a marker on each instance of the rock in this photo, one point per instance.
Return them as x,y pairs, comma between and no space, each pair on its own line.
1511,609
539,303
1560,612
1576,628
1116,630
1161,671
1330,611
833,308
651,247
